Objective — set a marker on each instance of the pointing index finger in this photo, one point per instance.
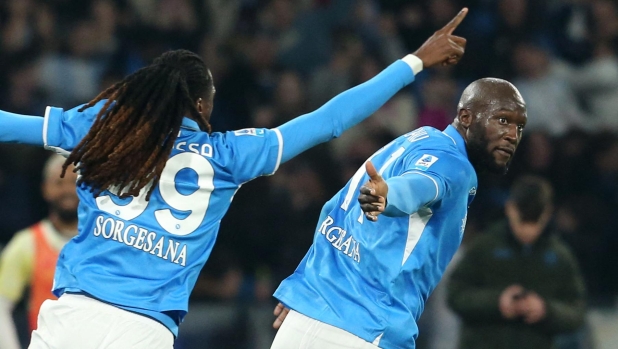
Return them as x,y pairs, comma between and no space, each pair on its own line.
454,23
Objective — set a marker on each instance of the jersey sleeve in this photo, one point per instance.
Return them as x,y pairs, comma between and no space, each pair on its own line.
253,152
427,177
346,109
16,128
16,263
63,130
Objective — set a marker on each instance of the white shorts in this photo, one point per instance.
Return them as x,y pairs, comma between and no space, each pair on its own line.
80,322
301,332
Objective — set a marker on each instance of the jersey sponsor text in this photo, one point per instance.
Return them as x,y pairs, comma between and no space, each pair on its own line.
337,237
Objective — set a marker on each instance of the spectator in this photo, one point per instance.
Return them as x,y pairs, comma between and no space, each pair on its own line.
551,103
518,286
30,257
596,82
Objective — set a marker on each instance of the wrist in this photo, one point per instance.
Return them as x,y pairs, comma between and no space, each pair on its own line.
415,63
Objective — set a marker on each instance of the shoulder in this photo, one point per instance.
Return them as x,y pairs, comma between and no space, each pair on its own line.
242,135
21,245
491,237
447,163
561,248
429,136
22,238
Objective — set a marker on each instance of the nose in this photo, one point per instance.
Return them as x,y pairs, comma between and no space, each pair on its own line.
511,134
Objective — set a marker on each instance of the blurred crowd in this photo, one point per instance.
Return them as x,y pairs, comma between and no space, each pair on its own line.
273,60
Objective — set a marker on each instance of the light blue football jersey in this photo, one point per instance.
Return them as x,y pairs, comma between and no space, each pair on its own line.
157,247
145,256
372,278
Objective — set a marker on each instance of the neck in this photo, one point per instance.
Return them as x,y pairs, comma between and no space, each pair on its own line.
462,131
66,229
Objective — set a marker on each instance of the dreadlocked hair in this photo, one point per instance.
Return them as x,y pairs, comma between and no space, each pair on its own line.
133,134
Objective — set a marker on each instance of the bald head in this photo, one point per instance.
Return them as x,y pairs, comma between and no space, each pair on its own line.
489,91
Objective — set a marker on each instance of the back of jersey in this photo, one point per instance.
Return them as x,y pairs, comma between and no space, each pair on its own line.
147,254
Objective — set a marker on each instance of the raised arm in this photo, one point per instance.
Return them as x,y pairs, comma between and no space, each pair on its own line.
25,129
356,104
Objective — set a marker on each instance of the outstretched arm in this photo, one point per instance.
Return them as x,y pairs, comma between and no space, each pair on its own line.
398,196
354,105
16,128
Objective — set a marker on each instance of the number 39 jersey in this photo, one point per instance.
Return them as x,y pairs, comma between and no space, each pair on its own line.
145,256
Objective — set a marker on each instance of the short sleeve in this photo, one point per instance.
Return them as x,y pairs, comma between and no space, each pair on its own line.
254,152
16,263
63,130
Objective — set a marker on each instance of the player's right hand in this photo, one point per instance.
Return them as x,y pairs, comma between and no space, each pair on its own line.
443,47
372,197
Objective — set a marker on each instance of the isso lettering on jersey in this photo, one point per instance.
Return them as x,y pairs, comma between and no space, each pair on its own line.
141,239
336,236
204,149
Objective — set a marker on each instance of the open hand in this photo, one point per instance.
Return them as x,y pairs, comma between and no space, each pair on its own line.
443,47
372,196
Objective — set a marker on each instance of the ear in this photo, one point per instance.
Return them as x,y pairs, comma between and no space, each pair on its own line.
200,105
465,118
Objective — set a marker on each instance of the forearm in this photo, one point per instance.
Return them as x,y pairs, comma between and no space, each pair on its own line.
8,333
16,128
408,193
475,304
563,317
345,110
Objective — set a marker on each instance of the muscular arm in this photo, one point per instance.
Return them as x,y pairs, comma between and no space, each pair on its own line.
346,109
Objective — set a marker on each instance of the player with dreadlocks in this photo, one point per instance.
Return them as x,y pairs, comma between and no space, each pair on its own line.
155,182
120,150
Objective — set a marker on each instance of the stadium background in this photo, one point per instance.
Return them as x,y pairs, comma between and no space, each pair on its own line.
273,60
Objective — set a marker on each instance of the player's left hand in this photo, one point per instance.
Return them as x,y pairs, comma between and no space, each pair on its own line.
280,312
372,196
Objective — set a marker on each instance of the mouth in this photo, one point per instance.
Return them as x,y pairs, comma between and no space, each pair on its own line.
505,151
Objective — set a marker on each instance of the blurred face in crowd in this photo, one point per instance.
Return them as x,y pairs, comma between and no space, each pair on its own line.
493,115
529,207
524,231
531,61
60,193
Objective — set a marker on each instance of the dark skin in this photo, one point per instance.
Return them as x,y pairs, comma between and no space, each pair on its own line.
442,48
491,118
205,104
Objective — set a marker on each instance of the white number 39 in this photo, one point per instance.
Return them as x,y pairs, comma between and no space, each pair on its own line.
193,205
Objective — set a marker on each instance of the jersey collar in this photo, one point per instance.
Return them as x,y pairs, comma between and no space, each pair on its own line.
190,124
457,138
